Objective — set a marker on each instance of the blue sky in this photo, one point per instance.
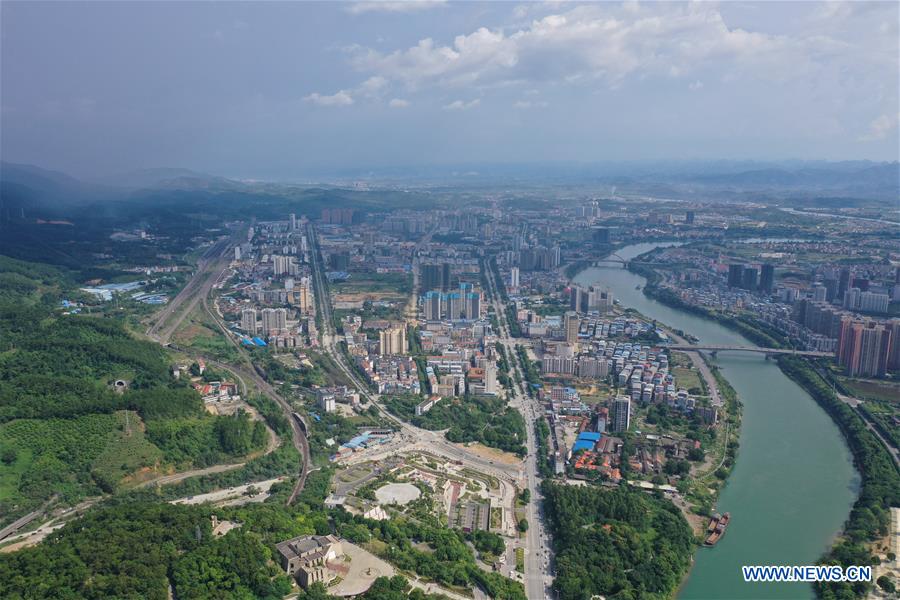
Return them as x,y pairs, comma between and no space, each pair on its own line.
273,90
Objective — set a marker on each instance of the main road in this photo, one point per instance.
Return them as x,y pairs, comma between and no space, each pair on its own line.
435,440
538,553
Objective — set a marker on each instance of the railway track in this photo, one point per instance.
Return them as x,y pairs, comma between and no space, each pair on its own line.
211,267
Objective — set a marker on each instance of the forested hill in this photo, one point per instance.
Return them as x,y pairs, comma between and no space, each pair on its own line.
616,543
63,430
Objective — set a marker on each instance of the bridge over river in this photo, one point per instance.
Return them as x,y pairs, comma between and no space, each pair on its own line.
767,351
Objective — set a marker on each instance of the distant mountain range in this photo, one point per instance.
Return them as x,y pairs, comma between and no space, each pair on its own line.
28,187
170,178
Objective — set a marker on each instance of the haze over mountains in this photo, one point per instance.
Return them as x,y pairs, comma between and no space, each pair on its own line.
29,186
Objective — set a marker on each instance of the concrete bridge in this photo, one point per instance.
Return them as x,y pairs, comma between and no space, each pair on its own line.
618,260
767,351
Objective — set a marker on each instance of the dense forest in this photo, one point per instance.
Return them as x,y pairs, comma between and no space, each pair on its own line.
64,431
133,550
619,543
484,419
870,517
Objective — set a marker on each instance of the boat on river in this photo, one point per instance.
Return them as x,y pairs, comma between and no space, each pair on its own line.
716,529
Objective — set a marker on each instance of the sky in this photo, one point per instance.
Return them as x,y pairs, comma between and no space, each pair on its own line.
279,90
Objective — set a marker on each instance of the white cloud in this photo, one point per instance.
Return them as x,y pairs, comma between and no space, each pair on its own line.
600,42
460,105
393,6
340,98
880,128
373,87
526,104
695,86
398,103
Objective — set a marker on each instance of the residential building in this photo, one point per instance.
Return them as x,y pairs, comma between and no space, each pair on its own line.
248,321
392,341
621,414
864,347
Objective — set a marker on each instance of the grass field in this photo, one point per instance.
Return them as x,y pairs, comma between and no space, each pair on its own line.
127,451
199,332
875,390
12,473
687,378
398,283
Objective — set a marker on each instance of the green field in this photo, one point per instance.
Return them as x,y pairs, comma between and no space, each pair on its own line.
874,390
687,378
397,283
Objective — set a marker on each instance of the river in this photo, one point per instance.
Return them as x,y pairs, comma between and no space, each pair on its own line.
794,482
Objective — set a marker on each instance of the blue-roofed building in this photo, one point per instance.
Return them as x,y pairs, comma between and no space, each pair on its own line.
582,445
357,442
589,436
259,341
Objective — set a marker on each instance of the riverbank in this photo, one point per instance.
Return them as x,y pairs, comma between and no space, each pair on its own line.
794,474
869,519
756,332
703,495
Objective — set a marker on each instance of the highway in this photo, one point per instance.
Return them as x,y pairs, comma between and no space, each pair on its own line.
538,551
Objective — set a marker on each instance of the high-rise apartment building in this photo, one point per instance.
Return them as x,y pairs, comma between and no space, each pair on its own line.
472,307
864,347
735,275
571,323
454,306
283,265
248,321
432,305
767,279
273,320
749,279
843,283
392,341
621,413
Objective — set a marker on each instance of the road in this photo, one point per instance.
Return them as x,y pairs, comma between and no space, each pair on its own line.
211,268
435,440
25,520
538,552
233,495
757,349
247,371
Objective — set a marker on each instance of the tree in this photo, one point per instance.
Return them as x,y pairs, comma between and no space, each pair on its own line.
9,456
885,583
523,525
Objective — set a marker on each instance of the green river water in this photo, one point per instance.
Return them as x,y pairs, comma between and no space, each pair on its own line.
794,481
